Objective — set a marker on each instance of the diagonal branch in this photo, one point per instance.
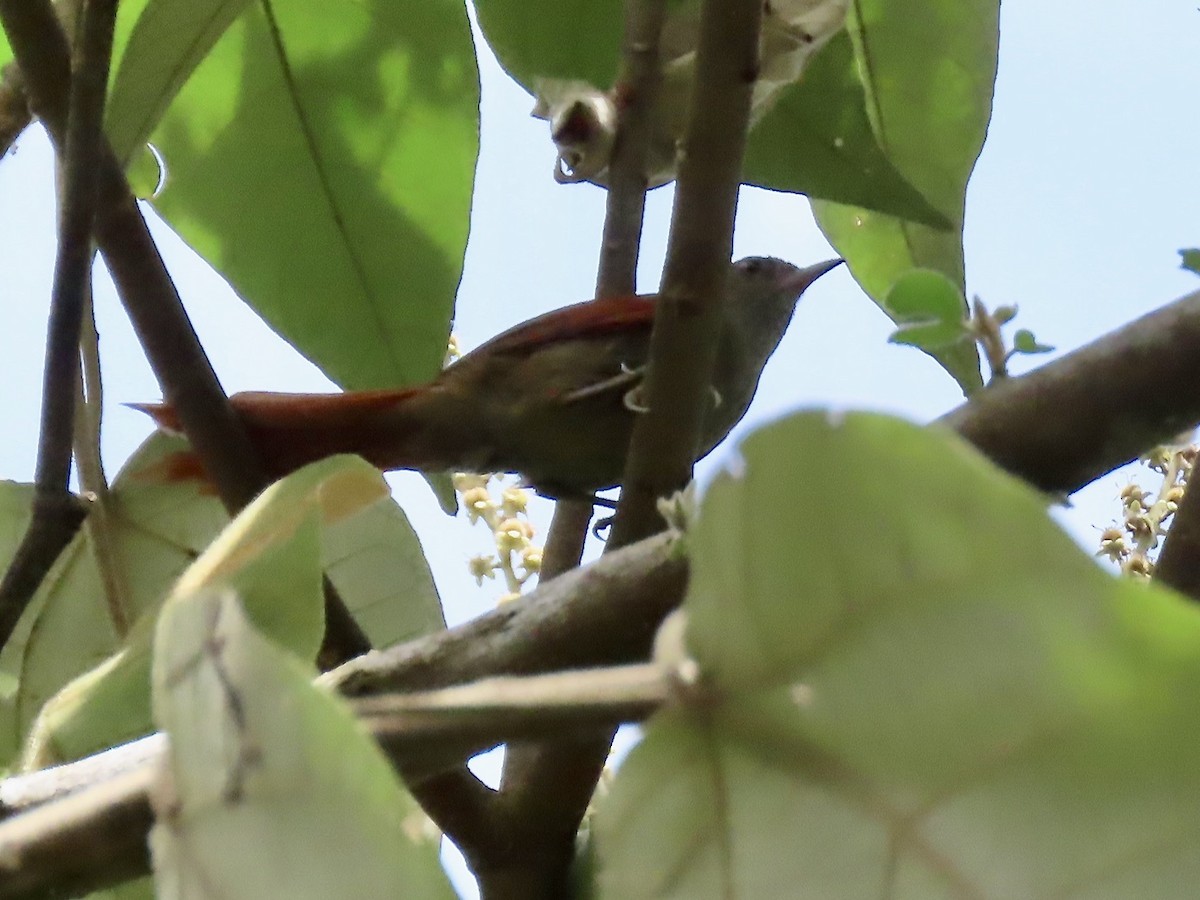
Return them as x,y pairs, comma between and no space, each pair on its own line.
150,298
1071,421
57,513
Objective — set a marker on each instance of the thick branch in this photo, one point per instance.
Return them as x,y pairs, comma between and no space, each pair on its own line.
602,614
83,842
1064,425
56,513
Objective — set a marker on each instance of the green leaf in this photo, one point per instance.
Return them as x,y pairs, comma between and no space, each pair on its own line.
334,514
924,295
928,709
930,308
138,889
1190,260
817,140
169,39
930,336
928,67
322,157
554,38
1025,342
274,790
157,531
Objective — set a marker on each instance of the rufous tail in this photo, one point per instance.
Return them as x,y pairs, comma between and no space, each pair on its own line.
292,430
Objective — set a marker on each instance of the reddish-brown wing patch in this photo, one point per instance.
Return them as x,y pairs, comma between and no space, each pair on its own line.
595,318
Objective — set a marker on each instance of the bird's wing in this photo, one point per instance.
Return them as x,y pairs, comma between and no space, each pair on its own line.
594,318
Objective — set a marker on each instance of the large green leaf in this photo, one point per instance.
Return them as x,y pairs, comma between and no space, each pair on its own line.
929,67
159,44
554,38
156,532
322,158
274,790
920,687
817,140
274,553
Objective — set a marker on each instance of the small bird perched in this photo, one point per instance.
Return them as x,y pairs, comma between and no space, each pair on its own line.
553,398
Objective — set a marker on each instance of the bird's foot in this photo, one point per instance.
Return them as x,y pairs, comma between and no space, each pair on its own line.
627,377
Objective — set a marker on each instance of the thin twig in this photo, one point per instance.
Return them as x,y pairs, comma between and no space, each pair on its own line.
57,514
92,480
137,269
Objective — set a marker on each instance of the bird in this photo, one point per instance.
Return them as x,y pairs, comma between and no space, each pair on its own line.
554,398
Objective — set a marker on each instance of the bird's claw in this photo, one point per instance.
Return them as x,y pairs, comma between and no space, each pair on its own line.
626,377
633,400
602,524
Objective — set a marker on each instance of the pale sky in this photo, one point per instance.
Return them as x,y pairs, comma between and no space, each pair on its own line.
1086,189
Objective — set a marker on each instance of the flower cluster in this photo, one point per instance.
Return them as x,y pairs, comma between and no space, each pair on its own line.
1145,514
501,505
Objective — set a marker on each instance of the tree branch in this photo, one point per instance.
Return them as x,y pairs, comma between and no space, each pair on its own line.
601,614
683,343
89,411
82,842
57,513
1071,421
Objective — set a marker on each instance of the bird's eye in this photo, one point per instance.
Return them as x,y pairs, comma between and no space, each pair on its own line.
754,265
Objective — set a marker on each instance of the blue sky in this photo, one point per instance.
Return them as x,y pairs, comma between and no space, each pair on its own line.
1086,189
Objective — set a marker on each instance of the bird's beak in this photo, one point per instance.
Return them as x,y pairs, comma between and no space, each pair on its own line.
795,283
